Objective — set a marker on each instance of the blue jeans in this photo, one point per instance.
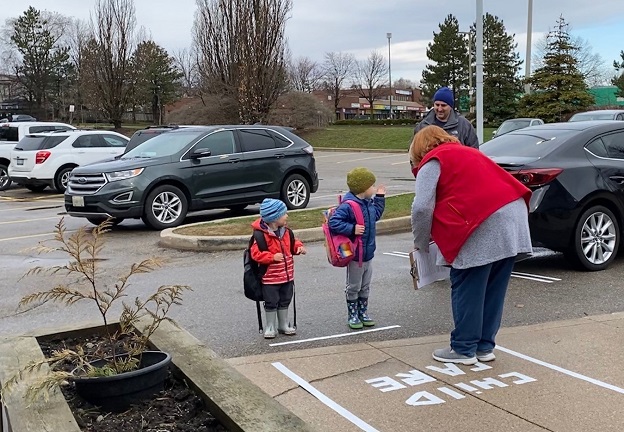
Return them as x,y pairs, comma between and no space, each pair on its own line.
477,299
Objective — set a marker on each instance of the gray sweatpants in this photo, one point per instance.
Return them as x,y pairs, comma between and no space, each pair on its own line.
358,279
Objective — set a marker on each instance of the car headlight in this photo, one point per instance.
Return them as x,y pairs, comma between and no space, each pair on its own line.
122,175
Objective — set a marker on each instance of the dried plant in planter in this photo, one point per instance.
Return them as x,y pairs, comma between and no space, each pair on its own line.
83,282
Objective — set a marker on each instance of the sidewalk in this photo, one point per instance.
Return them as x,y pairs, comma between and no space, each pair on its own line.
559,376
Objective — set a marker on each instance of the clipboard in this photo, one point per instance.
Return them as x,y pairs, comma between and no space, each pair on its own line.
424,268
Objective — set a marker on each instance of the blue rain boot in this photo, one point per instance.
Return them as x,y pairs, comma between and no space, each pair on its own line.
354,319
362,313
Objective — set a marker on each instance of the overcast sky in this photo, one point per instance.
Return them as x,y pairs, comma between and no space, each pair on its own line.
319,26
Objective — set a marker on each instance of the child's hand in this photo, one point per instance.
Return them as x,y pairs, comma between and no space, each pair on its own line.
301,250
381,190
278,257
359,229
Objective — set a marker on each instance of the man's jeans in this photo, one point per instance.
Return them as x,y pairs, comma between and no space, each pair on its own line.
477,299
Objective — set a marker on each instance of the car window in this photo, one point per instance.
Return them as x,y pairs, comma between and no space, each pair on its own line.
45,128
256,139
114,141
614,144
598,148
512,125
280,140
29,143
219,143
140,137
9,133
89,141
166,144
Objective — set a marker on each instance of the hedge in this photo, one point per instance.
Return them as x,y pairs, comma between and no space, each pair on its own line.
399,122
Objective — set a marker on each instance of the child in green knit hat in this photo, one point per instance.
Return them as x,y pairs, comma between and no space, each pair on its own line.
372,201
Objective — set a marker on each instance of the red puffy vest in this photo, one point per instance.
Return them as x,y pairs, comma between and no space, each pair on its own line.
470,189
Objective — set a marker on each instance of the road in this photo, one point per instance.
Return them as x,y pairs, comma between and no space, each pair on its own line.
545,288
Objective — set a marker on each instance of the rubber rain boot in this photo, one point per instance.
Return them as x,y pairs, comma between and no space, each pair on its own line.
362,313
270,330
283,326
353,318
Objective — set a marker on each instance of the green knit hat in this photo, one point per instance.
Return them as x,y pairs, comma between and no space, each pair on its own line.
359,180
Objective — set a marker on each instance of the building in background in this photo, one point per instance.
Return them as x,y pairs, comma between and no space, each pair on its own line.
605,96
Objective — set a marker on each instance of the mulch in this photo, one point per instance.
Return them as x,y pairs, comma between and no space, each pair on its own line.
176,409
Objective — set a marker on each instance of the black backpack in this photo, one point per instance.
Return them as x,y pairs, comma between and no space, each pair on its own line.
254,272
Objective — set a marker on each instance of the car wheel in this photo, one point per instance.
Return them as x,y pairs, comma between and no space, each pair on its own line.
296,192
62,179
596,239
5,180
237,208
37,188
99,220
165,207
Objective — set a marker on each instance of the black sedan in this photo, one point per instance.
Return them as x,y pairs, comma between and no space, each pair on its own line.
576,173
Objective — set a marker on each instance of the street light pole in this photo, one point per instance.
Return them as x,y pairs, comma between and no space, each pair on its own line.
480,71
389,36
527,69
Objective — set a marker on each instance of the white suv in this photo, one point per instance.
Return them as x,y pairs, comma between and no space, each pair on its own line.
12,133
47,159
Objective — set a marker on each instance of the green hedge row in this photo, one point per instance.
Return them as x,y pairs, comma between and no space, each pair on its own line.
407,122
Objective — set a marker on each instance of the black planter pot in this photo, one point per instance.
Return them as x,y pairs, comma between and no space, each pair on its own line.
116,393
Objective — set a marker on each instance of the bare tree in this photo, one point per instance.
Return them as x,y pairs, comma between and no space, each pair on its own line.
186,63
372,76
404,83
305,75
338,68
241,50
108,56
592,66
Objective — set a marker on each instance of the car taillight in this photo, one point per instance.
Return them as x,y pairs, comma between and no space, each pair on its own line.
309,150
42,156
537,176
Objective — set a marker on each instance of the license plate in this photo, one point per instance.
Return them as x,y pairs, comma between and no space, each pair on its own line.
78,201
20,161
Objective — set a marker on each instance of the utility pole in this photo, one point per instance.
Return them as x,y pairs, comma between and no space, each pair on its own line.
389,36
480,71
527,62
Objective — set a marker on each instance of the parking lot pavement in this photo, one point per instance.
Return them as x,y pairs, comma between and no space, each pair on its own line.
547,377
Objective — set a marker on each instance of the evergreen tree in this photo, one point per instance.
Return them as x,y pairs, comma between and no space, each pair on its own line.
449,54
501,65
618,80
559,88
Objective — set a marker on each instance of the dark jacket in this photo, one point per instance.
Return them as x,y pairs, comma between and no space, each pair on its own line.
343,221
456,125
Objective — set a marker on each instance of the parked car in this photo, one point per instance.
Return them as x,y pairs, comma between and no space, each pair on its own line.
598,115
18,118
11,133
576,173
47,159
515,124
195,168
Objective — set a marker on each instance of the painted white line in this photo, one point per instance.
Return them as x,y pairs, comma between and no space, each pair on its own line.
331,155
51,235
400,255
327,196
28,220
400,163
335,336
562,370
369,158
42,207
517,276
538,276
348,415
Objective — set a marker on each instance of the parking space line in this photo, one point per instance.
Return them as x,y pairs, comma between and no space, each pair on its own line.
348,415
335,336
371,157
51,235
562,370
27,220
400,163
30,208
538,276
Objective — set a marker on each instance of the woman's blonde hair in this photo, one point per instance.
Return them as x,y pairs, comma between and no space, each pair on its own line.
426,140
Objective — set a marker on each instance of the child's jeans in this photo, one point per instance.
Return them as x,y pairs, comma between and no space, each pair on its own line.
277,296
358,279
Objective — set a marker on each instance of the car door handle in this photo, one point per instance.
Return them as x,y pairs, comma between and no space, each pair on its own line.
617,179
280,155
233,160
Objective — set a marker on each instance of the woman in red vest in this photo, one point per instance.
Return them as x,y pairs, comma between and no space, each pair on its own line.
477,213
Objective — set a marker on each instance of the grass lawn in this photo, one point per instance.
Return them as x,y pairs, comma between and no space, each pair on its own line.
396,206
367,137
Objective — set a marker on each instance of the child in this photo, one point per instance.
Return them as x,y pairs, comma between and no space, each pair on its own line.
277,283
361,190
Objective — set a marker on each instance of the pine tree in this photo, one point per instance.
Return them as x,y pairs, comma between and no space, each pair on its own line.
558,87
618,81
501,65
449,53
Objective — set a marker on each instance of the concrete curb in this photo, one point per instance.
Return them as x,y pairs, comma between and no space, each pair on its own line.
359,150
168,239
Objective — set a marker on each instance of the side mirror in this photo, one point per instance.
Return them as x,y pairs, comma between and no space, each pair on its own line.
200,153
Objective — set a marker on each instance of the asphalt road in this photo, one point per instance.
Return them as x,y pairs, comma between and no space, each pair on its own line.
216,311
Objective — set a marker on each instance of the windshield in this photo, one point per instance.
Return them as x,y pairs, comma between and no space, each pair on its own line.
139,138
163,145
29,143
589,116
535,144
509,126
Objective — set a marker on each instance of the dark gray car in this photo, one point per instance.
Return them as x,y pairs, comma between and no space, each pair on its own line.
191,169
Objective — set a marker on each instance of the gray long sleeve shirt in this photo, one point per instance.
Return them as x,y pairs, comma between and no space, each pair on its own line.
502,235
